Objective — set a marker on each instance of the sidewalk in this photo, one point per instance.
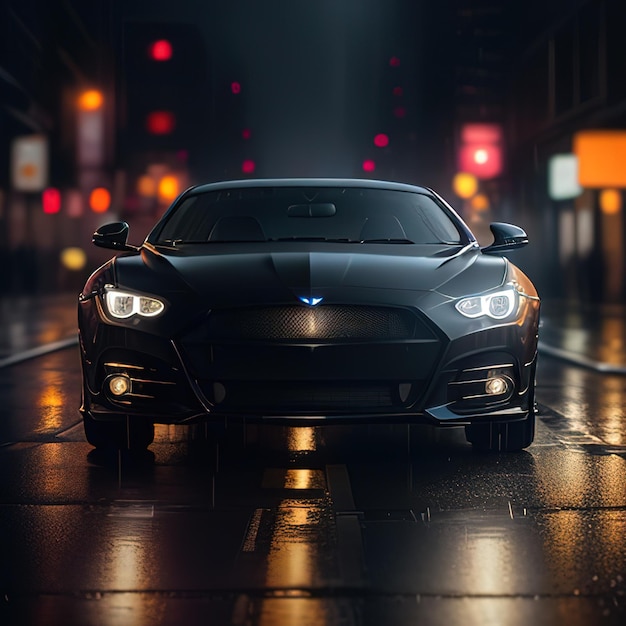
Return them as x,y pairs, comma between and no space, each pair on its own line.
588,336
591,336
32,324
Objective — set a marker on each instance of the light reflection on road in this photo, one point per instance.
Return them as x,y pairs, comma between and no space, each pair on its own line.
611,347
612,410
51,401
301,439
297,545
130,563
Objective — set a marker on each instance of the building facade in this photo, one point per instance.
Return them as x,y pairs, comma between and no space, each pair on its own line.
567,75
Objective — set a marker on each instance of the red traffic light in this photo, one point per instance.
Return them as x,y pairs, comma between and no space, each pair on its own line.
381,140
51,200
161,50
248,166
480,152
160,122
369,165
482,160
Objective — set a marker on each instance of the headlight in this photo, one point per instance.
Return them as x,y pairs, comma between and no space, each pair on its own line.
122,304
497,305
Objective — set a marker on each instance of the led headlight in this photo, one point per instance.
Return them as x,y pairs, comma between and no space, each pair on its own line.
498,305
122,304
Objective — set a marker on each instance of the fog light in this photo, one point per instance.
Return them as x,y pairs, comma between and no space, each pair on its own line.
496,386
119,385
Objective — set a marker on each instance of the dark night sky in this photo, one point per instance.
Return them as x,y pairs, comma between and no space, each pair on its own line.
312,73
315,75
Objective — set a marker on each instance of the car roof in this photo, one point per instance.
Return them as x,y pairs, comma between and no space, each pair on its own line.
308,182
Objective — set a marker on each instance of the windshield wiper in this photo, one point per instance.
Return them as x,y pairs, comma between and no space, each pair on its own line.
325,239
179,242
387,240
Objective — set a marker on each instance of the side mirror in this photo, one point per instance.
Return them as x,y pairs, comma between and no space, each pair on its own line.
113,236
505,237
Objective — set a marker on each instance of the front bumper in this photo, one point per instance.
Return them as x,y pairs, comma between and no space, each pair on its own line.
427,378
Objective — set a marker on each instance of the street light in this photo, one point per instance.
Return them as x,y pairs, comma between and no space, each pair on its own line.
90,100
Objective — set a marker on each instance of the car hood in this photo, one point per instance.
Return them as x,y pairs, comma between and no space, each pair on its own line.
257,274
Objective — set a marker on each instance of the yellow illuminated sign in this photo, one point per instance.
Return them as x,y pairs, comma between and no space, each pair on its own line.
601,157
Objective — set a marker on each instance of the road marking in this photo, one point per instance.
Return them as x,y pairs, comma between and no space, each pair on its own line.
249,543
136,509
340,489
348,521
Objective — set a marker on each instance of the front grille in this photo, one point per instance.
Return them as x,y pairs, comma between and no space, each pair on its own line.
331,322
302,397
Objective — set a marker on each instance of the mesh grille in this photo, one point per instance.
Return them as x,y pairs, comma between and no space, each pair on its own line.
322,322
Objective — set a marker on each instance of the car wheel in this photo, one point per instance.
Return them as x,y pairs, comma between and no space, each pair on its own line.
502,437
125,435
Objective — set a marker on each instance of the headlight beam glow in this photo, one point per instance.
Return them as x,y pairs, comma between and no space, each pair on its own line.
122,304
498,305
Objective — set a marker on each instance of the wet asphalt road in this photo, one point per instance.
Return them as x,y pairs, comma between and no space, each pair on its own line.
364,525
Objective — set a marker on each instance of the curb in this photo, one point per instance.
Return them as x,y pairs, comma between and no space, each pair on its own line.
39,351
581,360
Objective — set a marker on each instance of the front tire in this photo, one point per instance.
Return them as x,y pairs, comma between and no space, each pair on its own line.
128,434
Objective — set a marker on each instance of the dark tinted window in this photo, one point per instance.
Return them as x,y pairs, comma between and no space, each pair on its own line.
263,214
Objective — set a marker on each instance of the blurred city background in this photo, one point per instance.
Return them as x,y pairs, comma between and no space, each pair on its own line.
513,111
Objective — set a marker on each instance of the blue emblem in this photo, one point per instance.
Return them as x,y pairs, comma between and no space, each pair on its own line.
310,301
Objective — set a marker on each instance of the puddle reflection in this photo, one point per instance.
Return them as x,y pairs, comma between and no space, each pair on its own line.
612,410
52,401
298,546
301,439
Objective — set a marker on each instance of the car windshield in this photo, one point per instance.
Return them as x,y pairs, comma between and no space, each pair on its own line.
351,215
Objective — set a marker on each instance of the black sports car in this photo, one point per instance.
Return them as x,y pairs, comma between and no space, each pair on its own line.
309,300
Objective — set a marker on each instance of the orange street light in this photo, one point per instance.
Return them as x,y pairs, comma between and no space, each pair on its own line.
90,100
100,200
